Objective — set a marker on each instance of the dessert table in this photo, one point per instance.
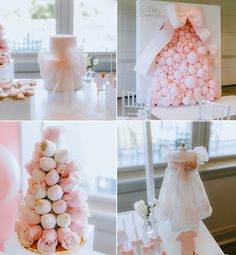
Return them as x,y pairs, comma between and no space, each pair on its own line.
89,106
190,112
204,240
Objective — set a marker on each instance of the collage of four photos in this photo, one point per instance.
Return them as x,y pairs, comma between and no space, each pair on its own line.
117,127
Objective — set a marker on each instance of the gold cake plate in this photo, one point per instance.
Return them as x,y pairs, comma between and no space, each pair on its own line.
59,249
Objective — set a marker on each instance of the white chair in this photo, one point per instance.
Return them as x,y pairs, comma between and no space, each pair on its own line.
133,108
213,111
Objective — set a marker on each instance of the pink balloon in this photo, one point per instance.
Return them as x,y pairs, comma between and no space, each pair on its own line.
190,82
212,84
192,57
9,214
186,101
200,72
10,175
170,61
177,57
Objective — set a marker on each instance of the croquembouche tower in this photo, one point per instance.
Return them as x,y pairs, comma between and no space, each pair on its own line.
54,214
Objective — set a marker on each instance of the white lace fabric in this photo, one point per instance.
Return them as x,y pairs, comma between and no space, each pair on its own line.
183,199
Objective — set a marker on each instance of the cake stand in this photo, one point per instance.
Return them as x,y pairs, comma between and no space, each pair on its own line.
12,246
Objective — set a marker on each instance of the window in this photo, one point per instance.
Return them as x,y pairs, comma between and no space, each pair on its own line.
166,136
38,19
218,137
222,139
35,23
95,24
88,145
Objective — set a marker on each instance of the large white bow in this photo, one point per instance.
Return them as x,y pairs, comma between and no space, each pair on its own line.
62,74
177,16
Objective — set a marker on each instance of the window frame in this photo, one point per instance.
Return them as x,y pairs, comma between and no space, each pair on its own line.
200,137
26,62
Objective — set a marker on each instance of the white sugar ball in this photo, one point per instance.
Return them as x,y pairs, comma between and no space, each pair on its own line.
47,148
43,206
192,57
63,220
48,221
47,164
38,191
55,192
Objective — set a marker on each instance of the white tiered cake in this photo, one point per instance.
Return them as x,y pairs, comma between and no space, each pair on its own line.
63,67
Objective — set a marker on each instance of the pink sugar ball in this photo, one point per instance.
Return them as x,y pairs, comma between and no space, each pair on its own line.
192,57
206,68
171,51
181,33
200,73
174,91
212,84
171,78
179,49
183,68
176,66
200,82
182,39
176,102
164,68
190,82
186,49
190,45
170,61
193,101
177,75
165,91
198,65
192,69
206,61
205,90
202,50
162,61
212,92
186,101
177,57
165,102
188,35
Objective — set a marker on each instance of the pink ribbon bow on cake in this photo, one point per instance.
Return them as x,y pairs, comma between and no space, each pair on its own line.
177,16
62,74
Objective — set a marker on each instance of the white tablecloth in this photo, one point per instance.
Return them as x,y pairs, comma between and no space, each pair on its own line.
89,106
189,112
205,243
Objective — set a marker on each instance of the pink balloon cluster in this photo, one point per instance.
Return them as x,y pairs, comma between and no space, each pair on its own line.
55,211
5,56
184,71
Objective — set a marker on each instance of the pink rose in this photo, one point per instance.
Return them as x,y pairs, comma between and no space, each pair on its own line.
30,215
29,167
69,183
65,169
75,198
69,240
28,234
79,213
37,155
79,227
48,242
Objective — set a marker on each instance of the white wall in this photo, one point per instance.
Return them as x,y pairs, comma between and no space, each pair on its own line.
127,41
